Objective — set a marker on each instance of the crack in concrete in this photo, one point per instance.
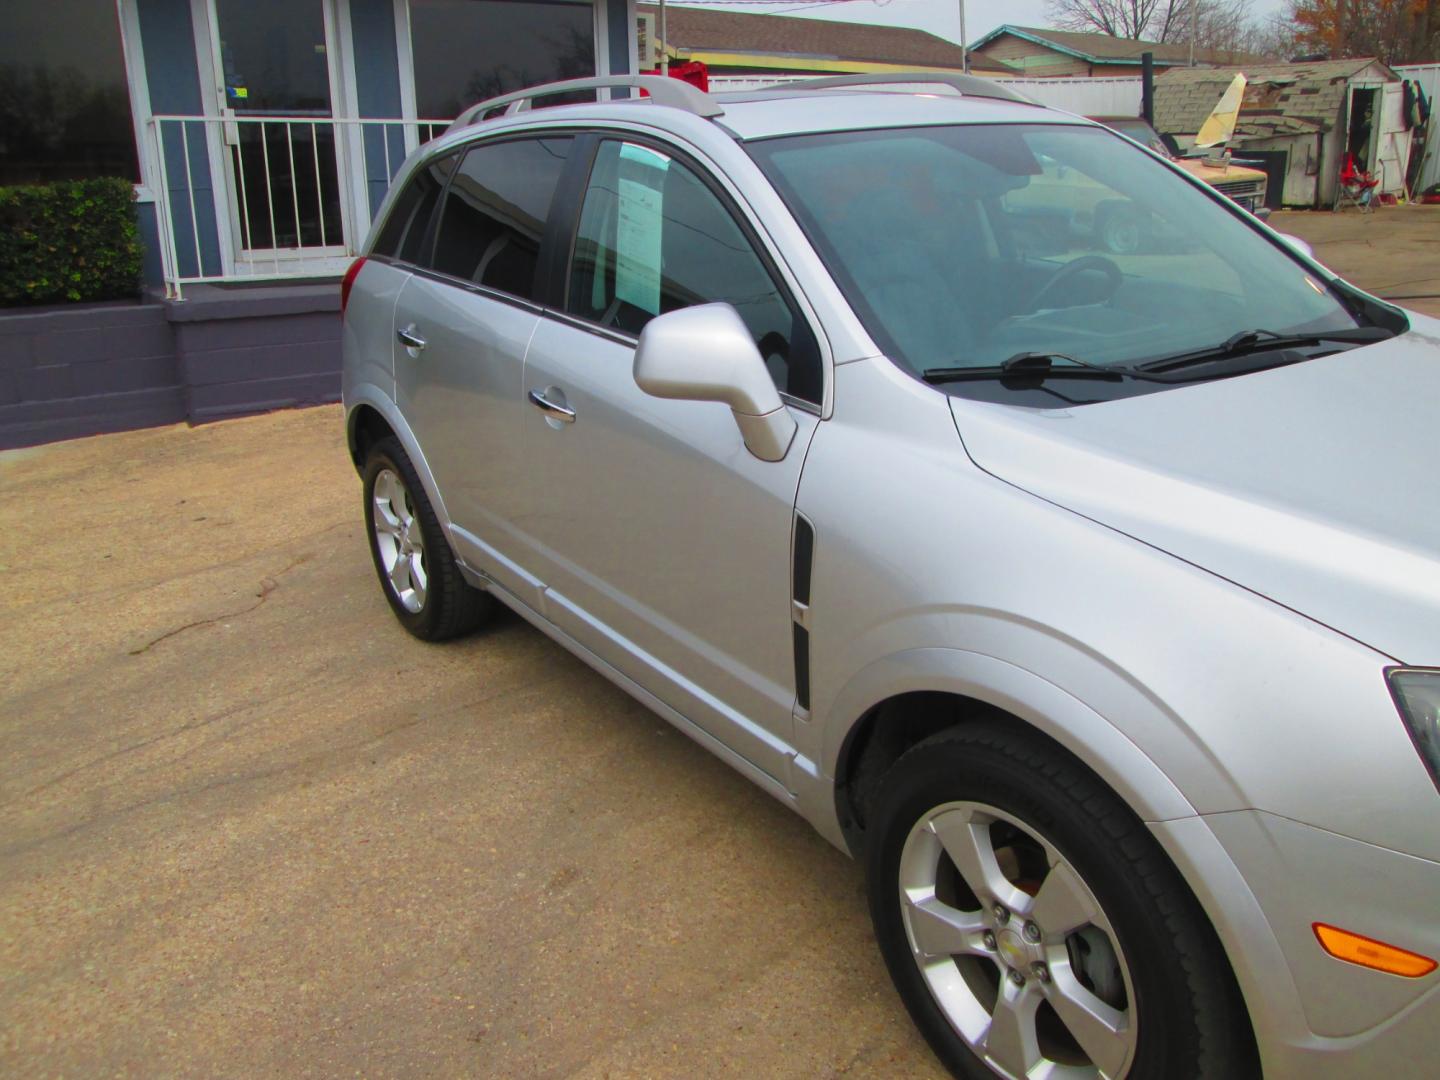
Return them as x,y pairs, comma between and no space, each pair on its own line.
160,582
111,815
268,584
224,714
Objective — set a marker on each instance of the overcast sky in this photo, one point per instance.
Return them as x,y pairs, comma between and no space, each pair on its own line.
938,16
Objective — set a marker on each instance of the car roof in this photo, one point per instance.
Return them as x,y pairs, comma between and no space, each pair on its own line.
770,113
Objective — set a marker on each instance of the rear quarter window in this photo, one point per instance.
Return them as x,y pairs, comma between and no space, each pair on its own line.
406,229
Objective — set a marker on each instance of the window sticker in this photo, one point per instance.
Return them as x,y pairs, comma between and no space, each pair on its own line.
638,228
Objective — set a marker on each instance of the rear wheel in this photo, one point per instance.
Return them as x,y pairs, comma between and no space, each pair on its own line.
1033,927
412,557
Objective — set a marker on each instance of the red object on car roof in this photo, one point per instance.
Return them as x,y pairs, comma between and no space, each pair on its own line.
694,72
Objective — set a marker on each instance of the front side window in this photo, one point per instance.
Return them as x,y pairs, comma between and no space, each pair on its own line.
970,246
654,238
495,211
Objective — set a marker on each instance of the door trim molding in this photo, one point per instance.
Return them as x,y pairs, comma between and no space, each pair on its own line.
222,184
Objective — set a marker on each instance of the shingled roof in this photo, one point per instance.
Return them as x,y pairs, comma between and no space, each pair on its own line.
818,39
1282,99
1104,49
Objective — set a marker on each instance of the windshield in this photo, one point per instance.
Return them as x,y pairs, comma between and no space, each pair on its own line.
966,246
1137,129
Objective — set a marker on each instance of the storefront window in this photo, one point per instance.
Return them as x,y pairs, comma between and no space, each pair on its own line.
64,102
469,50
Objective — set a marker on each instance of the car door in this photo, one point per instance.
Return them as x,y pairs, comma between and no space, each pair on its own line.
463,322
664,544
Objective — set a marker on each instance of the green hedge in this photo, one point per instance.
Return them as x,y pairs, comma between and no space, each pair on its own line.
71,240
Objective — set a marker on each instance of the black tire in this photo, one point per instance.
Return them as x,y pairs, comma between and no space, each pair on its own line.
449,605
1180,995
1122,233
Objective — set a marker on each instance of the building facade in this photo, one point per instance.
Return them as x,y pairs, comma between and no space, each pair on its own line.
1038,51
742,45
262,134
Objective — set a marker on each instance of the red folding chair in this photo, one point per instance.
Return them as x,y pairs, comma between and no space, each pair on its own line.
1357,187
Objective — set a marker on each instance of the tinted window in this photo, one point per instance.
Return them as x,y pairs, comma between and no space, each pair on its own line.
64,102
469,50
495,213
654,238
404,230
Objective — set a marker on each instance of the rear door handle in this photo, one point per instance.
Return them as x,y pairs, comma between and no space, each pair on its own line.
549,408
409,338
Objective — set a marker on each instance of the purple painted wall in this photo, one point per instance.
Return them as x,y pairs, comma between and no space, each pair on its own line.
222,352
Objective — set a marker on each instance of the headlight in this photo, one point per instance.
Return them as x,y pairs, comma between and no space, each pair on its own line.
1417,695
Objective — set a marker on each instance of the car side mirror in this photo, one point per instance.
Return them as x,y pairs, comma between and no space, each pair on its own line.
1299,245
706,353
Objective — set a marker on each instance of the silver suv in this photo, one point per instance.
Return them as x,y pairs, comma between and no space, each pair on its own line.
1084,596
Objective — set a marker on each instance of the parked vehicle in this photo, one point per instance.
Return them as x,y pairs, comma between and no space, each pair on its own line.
1092,601
1233,179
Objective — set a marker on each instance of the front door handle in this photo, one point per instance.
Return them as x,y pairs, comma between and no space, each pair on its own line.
409,338
549,408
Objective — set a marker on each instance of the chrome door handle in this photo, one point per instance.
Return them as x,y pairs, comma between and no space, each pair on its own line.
549,408
409,338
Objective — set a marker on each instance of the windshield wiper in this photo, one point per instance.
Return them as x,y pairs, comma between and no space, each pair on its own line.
1030,366
1261,340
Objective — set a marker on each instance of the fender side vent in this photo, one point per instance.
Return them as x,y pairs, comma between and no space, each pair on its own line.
804,556
802,667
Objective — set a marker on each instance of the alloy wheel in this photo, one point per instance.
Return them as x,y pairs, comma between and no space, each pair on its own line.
1014,947
399,540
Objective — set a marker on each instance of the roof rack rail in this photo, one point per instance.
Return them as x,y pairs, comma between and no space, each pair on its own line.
968,85
664,91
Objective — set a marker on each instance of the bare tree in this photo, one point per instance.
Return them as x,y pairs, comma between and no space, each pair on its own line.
1219,24
1115,18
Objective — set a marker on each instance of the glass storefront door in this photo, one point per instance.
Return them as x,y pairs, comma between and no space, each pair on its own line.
275,71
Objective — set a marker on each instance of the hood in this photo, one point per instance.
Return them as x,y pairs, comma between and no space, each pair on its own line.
1316,485
1219,174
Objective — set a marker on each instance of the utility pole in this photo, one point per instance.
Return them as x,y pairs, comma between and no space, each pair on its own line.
964,51
1194,24
664,43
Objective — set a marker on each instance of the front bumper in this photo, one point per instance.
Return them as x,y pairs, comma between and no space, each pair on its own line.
1264,881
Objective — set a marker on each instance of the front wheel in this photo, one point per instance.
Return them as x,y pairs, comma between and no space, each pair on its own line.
412,557
1033,927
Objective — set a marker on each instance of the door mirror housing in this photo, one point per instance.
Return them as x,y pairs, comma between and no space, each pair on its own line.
706,353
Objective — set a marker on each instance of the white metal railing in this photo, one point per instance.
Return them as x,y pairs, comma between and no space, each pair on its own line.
289,197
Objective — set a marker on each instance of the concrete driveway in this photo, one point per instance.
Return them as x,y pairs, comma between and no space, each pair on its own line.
248,826
1394,252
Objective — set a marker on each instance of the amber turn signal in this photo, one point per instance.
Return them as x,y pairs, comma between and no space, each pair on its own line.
1343,945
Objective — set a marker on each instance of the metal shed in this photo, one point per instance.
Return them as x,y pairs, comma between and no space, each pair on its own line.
1426,170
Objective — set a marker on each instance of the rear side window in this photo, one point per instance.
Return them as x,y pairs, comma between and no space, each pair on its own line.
405,230
653,237
494,213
